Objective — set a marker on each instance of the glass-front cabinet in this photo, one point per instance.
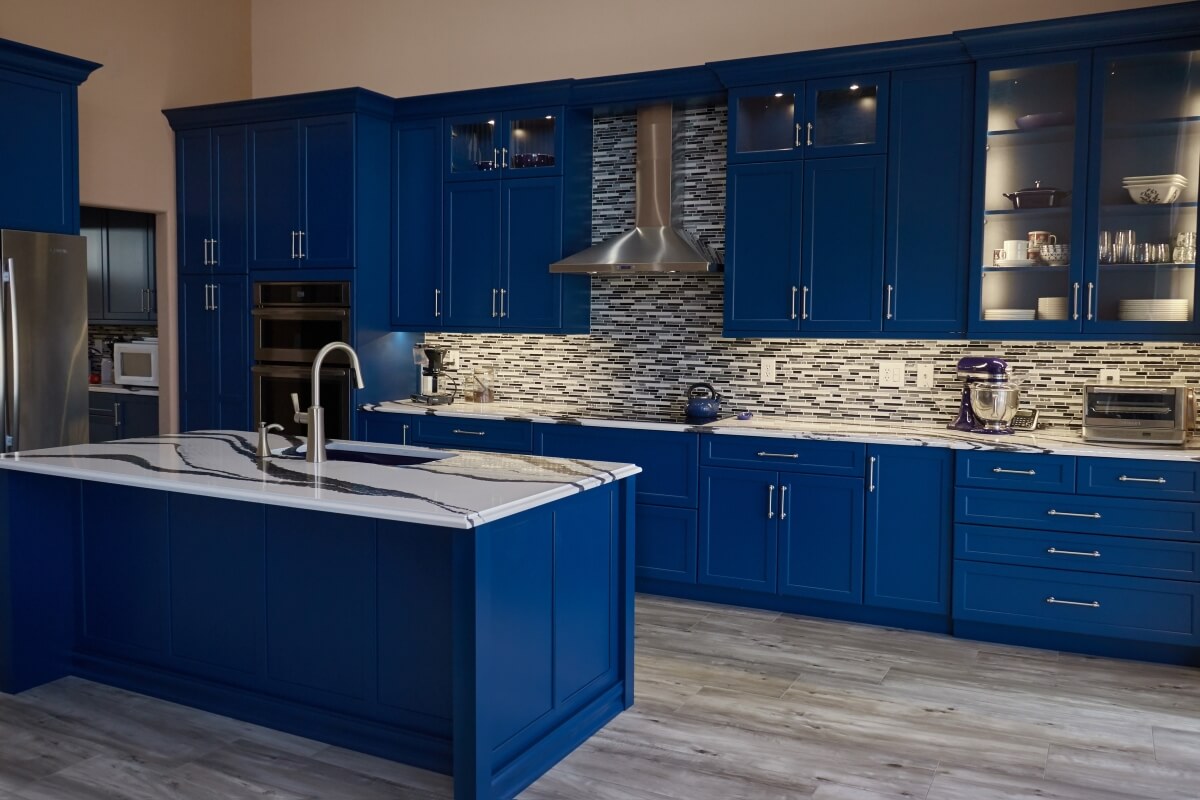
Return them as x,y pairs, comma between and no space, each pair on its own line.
1086,217
1032,174
828,117
509,144
1144,180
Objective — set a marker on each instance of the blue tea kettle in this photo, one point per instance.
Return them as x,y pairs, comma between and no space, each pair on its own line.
703,401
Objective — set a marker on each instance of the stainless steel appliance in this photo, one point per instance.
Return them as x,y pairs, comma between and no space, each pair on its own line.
43,340
431,378
136,363
293,320
1146,414
989,400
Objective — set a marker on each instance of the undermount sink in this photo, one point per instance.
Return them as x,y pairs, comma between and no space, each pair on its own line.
388,455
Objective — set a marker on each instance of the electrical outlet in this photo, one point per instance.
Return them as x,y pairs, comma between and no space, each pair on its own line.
924,376
1110,375
891,374
766,370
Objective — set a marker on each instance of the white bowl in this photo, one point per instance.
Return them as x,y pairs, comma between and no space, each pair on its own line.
1152,194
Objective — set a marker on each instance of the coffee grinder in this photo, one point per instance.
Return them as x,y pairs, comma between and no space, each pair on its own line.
989,401
431,378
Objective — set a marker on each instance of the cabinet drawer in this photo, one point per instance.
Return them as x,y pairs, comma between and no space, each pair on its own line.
1152,519
476,434
1113,555
101,401
1032,472
789,455
1163,480
1077,602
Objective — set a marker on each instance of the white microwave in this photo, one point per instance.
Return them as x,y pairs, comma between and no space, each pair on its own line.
135,363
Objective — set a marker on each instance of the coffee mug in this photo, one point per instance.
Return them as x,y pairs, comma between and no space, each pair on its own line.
1016,250
1039,239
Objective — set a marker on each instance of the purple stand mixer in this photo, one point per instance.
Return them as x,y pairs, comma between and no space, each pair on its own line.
989,400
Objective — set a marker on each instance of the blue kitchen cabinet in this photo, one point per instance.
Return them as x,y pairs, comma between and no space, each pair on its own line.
418,294
928,200
818,118
214,346
842,261
666,543
473,254
121,267
739,528
39,144
435,430
302,192
211,196
120,415
821,537
532,232
509,144
385,427
910,508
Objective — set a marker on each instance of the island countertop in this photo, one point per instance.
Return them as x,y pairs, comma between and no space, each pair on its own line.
463,490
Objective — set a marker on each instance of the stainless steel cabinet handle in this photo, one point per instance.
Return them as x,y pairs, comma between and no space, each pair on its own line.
809,140
293,244
890,290
783,501
771,501
207,305
496,157
503,158
301,250
795,291
4,268
469,433
804,304
1091,288
206,252
116,415
14,434
143,302
503,295
797,134
215,289
437,304
404,434
1054,513
765,454
1075,303
871,474
1057,602
494,293
212,258
1126,478
1054,551
1003,471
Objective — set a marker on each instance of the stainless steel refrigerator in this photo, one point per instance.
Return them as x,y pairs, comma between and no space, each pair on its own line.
43,340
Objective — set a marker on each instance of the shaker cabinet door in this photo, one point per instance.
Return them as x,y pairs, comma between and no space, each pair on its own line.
532,222
738,528
418,296
472,255
193,176
327,194
274,194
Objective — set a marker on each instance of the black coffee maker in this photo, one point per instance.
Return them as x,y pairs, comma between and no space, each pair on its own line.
432,378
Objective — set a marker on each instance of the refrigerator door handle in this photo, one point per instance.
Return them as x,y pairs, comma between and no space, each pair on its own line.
12,437
3,362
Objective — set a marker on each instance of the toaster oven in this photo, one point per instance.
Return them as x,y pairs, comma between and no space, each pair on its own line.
1145,414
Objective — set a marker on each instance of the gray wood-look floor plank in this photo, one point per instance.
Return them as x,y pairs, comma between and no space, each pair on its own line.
732,704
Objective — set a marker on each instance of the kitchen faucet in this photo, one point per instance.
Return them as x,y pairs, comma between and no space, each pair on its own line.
315,416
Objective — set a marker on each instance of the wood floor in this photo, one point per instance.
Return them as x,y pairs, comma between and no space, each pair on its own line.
731,705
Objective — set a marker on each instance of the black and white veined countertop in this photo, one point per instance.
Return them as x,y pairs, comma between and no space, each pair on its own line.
463,490
1051,441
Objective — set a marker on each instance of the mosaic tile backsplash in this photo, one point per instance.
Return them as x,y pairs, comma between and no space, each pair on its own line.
652,336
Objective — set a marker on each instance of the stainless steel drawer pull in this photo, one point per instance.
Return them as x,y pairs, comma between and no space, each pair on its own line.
1055,601
765,454
1053,513
1003,471
798,129
871,475
469,433
771,501
1054,551
1125,478
783,502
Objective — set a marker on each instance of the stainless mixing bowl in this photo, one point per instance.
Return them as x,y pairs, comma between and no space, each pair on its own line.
995,405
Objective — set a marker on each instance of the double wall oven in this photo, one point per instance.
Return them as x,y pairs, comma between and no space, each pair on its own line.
292,322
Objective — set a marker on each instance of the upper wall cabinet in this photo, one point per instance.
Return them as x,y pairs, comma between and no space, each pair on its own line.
1087,172
284,183
488,146
827,117
121,265
39,141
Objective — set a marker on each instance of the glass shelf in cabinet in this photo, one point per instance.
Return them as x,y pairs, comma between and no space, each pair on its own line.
1036,269
1164,265
1016,136
1131,208
1151,127
1053,210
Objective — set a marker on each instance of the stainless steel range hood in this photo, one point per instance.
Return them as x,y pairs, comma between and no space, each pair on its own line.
656,245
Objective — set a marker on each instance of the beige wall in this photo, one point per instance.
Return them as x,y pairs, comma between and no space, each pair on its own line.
156,54
407,47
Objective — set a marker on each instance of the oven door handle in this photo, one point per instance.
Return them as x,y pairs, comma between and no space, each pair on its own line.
276,371
301,313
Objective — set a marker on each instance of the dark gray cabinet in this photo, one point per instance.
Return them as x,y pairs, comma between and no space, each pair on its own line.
118,415
120,248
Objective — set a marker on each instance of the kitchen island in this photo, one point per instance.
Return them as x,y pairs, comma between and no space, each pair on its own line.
470,614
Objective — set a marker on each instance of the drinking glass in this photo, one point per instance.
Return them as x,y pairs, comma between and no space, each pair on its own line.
1106,247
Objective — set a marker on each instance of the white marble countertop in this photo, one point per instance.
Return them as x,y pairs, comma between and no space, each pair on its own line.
1058,441
112,388
463,490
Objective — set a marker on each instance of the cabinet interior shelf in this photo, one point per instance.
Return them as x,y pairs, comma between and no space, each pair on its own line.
1163,126
1016,136
1132,209
1163,266
1038,268
1052,210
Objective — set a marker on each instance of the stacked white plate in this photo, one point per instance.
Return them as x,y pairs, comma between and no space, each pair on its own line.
1052,308
1160,310
1010,314
1154,189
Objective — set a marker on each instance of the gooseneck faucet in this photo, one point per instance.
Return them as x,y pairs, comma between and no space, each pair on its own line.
315,416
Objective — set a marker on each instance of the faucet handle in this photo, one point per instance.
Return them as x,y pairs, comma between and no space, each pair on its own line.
298,415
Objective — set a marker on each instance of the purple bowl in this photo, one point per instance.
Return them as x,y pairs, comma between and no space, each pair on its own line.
1051,119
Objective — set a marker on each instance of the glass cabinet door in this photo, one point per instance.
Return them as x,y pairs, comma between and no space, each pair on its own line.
1145,181
474,146
532,143
1032,199
846,116
766,123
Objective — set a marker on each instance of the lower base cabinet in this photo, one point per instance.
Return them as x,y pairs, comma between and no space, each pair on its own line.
666,543
113,415
739,528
